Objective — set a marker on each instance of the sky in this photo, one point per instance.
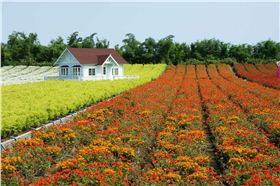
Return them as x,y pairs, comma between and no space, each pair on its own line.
233,22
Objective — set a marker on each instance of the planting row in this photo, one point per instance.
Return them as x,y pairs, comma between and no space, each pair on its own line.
245,151
252,87
260,109
182,154
263,74
29,105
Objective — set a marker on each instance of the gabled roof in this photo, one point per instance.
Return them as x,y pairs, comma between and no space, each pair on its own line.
101,59
95,55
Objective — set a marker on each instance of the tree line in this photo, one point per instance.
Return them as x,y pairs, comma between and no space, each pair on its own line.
25,49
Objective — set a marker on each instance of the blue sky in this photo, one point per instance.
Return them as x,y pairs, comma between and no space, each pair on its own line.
234,22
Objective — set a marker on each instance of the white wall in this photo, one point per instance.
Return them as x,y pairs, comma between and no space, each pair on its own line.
121,71
68,59
86,67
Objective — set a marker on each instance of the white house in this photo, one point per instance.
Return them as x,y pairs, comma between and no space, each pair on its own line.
90,64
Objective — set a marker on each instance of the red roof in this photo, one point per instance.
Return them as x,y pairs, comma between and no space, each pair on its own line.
95,55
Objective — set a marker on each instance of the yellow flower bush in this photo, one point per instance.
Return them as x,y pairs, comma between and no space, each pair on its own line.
67,164
188,166
109,172
53,149
164,134
236,161
145,113
169,146
172,177
30,142
196,177
124,151
9,164
233,119
202,159
184,123
221,129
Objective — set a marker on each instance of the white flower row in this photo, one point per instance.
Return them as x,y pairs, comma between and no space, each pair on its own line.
25,74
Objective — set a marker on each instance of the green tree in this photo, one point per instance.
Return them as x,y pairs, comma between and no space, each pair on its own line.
88,42
74,40
102,43
148,48
267,50
179,53
22,48
5,55
56,47
240,52
164,46
209,49
131,49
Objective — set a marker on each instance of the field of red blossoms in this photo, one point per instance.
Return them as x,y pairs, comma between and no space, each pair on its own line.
264,74
194,125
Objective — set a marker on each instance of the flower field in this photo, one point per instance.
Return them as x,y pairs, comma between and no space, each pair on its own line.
194,125
30,104
264,74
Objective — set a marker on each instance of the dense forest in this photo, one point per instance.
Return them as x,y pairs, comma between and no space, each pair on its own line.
25,49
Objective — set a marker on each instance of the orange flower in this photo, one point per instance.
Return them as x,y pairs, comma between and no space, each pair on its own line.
100,142
164,134
170,147
8,168
53,149
154,176
171,119
124,151
202,159
196,177
183,158
30,142
195,134
172,177
233,119
187,166
184,123
67,164
9,164
236,161
221,129
109,172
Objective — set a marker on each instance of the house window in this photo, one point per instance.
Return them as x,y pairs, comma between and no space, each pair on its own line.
76,71
91,72
64,71
104,70
115,71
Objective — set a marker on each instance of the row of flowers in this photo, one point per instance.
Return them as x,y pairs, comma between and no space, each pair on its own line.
249,71
182,156
246,153
268,69
255,88
263,111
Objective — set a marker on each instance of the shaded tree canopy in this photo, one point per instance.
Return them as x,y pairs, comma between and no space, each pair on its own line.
25,49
